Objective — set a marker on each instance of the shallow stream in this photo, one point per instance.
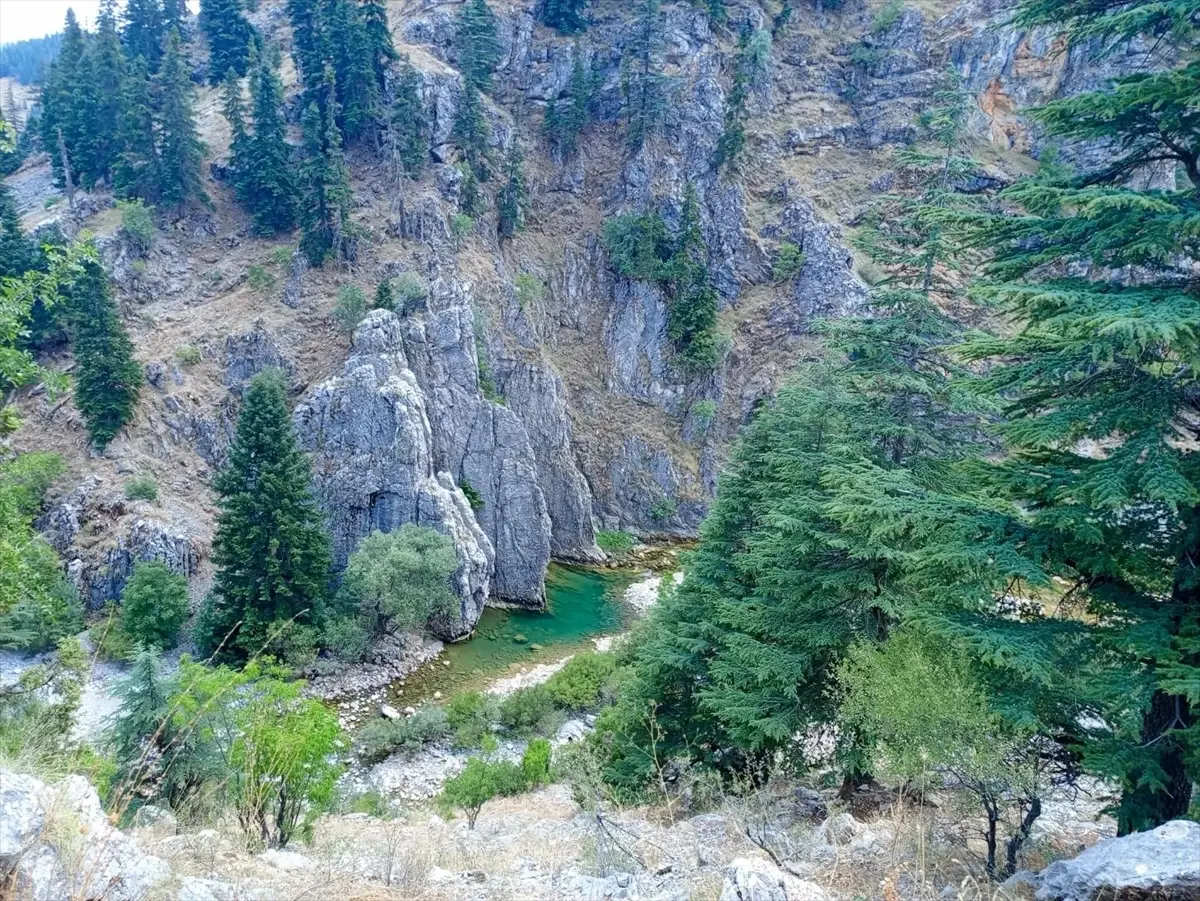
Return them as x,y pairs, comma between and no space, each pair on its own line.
582,604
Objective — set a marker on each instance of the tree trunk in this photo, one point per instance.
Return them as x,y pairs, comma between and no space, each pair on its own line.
1018,838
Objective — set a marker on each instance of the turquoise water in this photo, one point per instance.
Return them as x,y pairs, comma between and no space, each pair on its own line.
581,604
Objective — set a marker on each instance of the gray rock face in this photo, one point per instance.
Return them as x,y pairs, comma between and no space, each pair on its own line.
536,396
643,489
56,842
1163,863
485,445
293,288
753,879
374,464
102,581
248,354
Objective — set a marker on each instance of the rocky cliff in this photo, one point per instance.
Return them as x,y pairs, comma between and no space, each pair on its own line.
522,421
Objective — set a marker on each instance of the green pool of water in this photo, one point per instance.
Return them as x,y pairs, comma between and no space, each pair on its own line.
581,604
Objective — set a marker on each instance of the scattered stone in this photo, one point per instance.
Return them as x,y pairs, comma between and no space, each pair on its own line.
750,879
409,711
287,861
520,638
387,711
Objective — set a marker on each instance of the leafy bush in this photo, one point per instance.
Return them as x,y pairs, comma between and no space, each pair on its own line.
535,763
154,605
664,509
411,292
372,803
382,738
529,711
887,16
259,278
616,542
108,635
461,225
142,487
789,263
638,245
400,580
471,715
137,224
479,782
704,412
529,289
350,308
577,685
187,355
474,498
347,638
384,299
281,256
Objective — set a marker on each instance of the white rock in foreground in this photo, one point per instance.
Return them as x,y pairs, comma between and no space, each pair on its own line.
1166,859
750,879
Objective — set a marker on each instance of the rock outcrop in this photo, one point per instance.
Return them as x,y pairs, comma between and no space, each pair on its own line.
104,580
57,842
483,444
1160,865
374,466
753,879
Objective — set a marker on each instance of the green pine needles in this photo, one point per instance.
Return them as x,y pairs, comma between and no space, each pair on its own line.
270,549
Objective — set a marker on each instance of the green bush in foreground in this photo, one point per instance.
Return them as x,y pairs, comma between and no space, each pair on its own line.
577,685
479,782
535,763
471,714
528,711
380,739
142,488
154,605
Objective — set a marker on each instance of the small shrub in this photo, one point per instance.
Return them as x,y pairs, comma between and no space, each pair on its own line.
281,256
704,412
479,782
461,225
471,714
384,298
51,201
187,355
109,637
577,685
616,542
535,763
138,267
529,711
472,495
411,292
664,509
259,278
887,16
370,802
212,277
789,263
350,308
529,290
137,223
154,605
347,638
380,739
142,488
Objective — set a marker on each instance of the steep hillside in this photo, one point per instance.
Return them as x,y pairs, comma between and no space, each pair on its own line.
533,377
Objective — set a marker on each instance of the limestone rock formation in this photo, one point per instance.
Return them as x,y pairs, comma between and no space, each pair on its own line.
754,879
374,463
1163,863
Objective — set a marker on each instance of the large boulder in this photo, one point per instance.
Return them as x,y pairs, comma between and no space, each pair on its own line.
753,879
56,842
1160,865
374,466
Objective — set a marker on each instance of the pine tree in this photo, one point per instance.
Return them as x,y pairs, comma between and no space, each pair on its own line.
566,117
309,47
510,200
270,549
62,98
471,131
145,32
379,46
174,16
104,70
476,43
181,152
564,15
16,251
1092,273
643,86
408,131
354,64
137,173
272,183
233,108
324,180
108,380
230,36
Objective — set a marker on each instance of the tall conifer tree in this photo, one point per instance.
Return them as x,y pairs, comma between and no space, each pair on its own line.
62,99
229,35
270,549
408,131
137,172
145,32
108,380
180,149
324,180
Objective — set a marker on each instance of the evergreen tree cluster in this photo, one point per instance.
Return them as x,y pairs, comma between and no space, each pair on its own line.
260,159
26,61
645,90
231,38
566,16
351,41
566,117
982,547
642,247
112,113
478,54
